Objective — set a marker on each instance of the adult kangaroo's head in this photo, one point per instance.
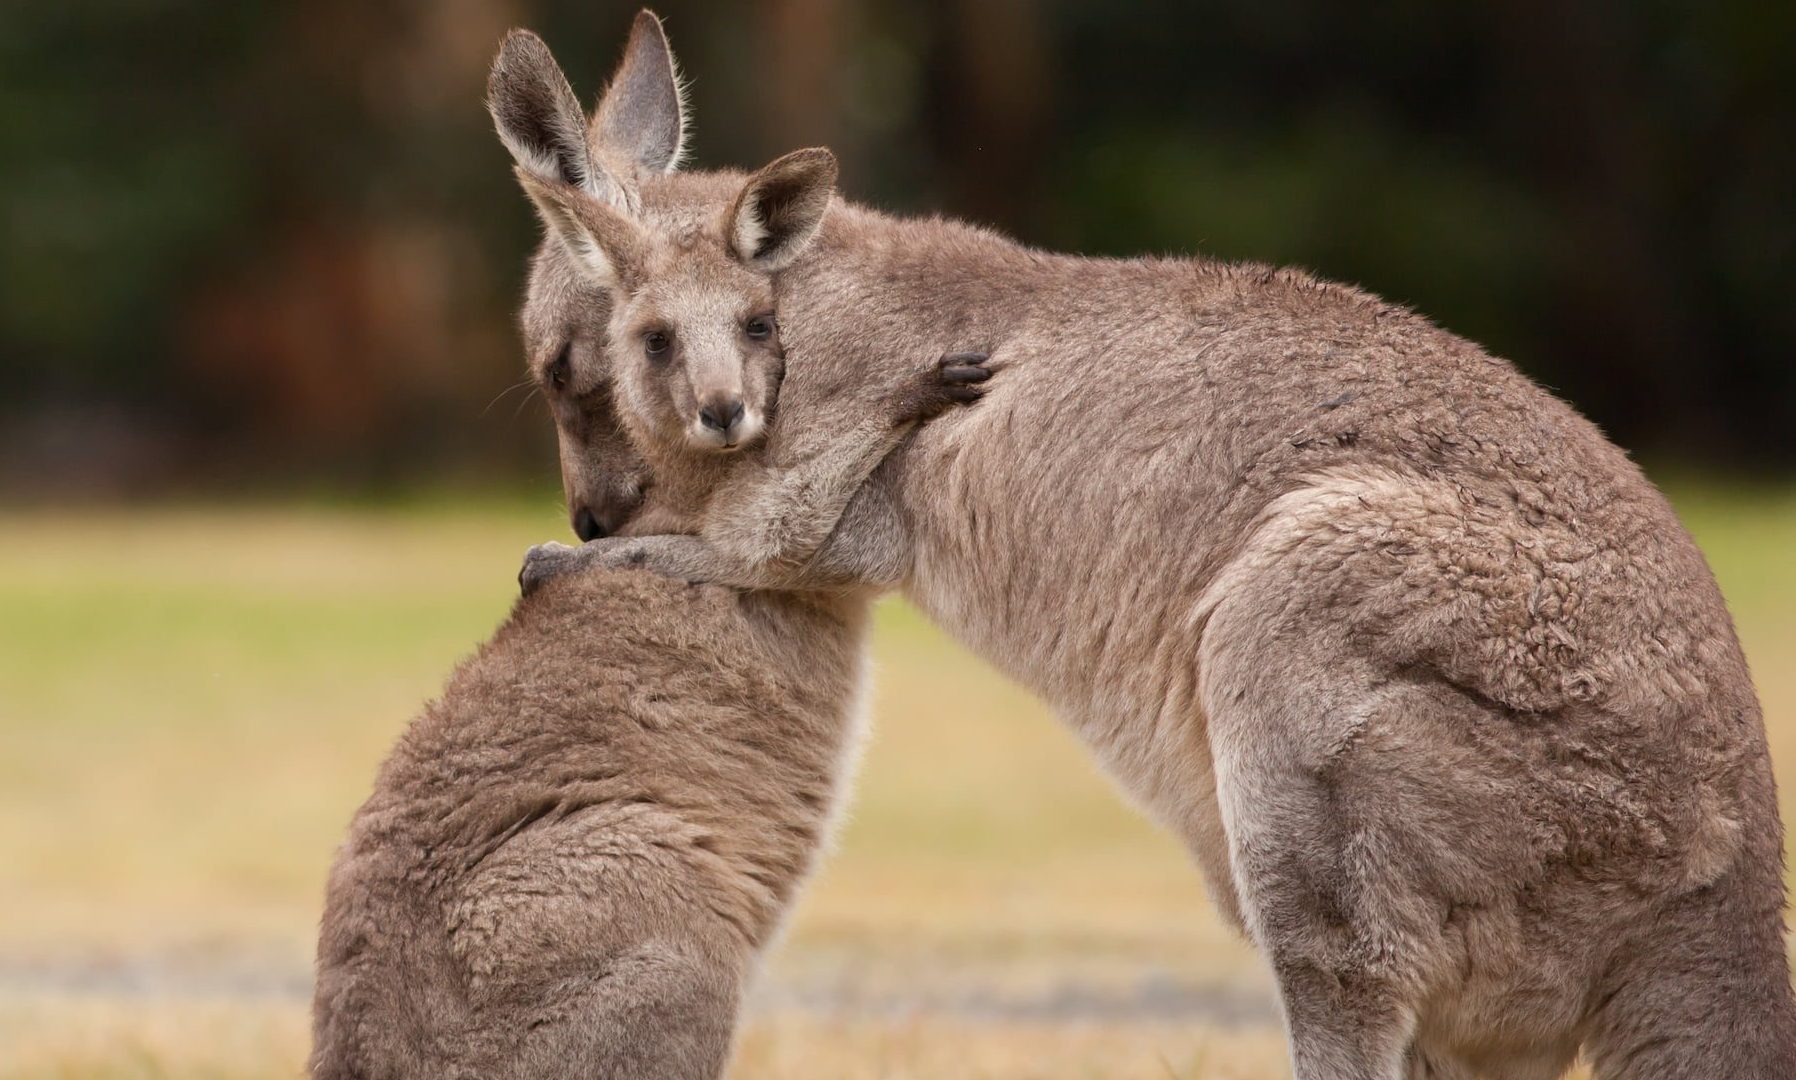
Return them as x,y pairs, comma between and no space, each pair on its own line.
637,132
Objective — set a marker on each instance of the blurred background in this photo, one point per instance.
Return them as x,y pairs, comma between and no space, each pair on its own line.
279,240
266,471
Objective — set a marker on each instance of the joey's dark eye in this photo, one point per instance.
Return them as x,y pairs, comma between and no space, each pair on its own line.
560,369
655,343
759,327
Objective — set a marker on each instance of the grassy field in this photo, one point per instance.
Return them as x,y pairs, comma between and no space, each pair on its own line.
192,702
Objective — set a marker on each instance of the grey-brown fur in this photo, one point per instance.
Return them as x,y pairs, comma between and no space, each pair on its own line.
572,859
1437,689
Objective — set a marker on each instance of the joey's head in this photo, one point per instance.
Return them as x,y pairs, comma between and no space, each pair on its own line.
695,352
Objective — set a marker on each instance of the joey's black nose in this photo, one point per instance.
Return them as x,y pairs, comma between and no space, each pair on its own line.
721,416
586,525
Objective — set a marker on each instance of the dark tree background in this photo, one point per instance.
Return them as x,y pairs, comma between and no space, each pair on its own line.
278,241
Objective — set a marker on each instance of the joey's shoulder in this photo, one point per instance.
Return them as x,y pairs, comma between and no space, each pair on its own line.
579,624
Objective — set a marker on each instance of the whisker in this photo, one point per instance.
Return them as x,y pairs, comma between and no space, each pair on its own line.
526,381
519,411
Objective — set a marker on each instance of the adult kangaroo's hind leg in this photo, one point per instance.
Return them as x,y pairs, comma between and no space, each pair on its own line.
1359,829
1706,992
1324,889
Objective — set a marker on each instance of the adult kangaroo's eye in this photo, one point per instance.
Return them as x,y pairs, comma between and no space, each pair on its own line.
759,327
655,344
560,369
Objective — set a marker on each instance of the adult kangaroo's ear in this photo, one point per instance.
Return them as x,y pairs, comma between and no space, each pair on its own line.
607,246
539,119
780,209
642,114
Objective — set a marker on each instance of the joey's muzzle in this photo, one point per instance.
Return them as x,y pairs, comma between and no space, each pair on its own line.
725,423
722,416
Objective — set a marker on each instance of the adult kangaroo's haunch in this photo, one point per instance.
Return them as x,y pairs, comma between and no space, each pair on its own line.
1437,689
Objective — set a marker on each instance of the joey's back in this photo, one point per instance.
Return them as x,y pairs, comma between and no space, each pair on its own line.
735,708
573,858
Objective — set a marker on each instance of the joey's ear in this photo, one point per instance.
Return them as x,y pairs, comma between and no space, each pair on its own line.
606,246
539,119
642,114
780,209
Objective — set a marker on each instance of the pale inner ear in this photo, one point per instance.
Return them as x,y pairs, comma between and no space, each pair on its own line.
751,231
535,111
781,208
540,122
541,143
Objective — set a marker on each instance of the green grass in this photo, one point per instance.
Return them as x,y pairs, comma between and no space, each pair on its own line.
193,700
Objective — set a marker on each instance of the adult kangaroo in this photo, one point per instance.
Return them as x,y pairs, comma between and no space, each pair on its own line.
1429,677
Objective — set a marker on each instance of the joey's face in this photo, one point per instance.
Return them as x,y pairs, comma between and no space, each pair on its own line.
695,350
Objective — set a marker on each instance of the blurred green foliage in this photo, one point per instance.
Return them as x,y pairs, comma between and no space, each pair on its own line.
247,240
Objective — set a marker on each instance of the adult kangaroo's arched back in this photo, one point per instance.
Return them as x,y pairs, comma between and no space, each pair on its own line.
1430,678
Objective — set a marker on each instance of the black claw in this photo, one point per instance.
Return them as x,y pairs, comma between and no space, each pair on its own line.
964,359
965,374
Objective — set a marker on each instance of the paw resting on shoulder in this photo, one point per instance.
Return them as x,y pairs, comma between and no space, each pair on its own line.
545,562
956,379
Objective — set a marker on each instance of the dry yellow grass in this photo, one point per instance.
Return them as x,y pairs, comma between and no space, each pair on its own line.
192,701
202,1040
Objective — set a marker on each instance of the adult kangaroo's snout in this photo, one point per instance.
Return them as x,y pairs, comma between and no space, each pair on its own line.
603,513
587,525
